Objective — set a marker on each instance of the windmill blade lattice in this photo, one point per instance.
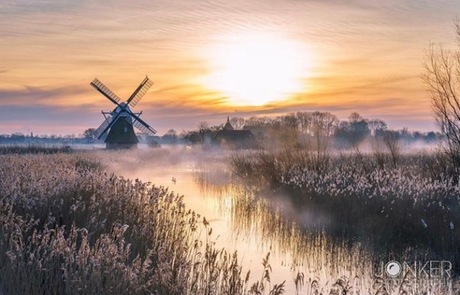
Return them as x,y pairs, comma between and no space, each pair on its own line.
142,126
139,92
104,90
108,122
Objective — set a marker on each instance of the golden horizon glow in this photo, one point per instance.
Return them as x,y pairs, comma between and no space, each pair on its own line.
255,69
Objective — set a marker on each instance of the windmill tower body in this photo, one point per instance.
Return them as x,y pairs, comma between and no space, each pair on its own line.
118,124
121,135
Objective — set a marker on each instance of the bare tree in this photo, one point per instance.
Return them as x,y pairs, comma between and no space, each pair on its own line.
170,136
392,143
442,75
237,122
321,131
90,134
378,151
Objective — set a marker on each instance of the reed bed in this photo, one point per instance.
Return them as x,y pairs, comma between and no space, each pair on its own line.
323,263
68,227
411,204
34,149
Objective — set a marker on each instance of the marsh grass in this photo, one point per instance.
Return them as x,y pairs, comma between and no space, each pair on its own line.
33,149
269,169
317,257
413,203
67,227
323,263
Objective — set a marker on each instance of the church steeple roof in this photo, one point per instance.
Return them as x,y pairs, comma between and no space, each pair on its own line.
228,126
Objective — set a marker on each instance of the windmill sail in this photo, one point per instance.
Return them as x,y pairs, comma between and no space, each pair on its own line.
102,127
139,92
147,130
108,122
142,126
104,90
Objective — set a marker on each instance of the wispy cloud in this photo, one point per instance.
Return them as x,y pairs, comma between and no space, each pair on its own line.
36,96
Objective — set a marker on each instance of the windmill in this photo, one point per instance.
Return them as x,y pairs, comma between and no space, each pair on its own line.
118,124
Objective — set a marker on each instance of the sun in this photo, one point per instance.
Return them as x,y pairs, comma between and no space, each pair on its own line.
256,69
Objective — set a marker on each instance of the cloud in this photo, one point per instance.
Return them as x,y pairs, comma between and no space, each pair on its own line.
20,7
36,96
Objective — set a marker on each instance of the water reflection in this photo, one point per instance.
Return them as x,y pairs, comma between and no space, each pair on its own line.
259,226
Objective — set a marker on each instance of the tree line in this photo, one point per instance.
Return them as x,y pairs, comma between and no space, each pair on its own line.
311,129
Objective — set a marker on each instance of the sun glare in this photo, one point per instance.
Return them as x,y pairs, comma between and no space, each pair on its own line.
256,69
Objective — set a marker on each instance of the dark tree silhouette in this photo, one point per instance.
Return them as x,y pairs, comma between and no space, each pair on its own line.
90,134
442,75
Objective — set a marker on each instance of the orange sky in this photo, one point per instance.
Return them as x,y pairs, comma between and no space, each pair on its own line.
364,56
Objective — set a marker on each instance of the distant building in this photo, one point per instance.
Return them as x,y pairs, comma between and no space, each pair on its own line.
228,126
232,138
